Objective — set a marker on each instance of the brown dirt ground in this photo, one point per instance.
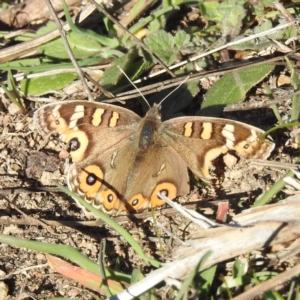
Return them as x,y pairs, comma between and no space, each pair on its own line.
26,172
23,169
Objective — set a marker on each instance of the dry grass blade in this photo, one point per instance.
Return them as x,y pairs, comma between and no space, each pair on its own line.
255,229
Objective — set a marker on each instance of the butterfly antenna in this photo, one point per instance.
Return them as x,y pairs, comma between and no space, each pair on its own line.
134,85
184,81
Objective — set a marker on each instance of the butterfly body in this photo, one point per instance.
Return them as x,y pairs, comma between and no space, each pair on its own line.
122,161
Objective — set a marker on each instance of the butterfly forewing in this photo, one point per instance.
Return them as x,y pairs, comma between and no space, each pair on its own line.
200,140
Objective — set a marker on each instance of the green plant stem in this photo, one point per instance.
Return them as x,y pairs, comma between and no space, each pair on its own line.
11,97
64,251
145,21
288,125
99,214
102,269
111,43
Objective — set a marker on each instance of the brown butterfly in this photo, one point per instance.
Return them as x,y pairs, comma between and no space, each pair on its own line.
122,161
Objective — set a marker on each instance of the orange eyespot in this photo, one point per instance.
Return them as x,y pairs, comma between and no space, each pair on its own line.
246,149
137,203
166,188
73,145
82,143
110,200
58,124
90,180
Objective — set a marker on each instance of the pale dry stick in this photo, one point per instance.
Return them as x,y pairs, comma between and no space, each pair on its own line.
68,49
254,36
19,77
17,33
273,164
168,232
44,100
190,214
22,271
269,284
258,235
22,134
101,89
285,254
292,185
29,48
32,220
294,38
286,14
115,21
262,104
166,84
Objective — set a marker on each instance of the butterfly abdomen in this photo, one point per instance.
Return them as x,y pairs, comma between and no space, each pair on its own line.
147,135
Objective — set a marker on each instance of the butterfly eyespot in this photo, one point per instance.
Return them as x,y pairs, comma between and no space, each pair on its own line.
135,202
74,144
167,189
110,198
78,141
164,192
91,179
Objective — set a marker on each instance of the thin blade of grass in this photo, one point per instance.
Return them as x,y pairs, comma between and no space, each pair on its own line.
99,214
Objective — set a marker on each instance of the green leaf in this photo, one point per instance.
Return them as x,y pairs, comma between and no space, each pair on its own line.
161,44
166,46
210,11
259,8
233,13
181,39
35,65
113,76
238,268
232,88
82,47
45,84
207,277
4,5
136,275
159,22
272,295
